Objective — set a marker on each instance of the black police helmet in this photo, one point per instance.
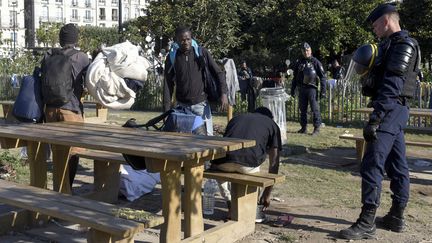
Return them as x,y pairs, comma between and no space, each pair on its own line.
364,58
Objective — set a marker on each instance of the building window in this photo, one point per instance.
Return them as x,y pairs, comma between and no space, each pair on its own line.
13,36
59,1
59,15
74,15
114,2
45,12
114,14
102,15
137,12
126,14
102,2
88,3
74,2
88,17
12,18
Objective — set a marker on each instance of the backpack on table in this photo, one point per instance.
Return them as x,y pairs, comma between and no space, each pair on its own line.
28,105
57,77
176,120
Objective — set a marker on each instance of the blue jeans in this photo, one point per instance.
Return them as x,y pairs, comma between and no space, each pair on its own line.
203,110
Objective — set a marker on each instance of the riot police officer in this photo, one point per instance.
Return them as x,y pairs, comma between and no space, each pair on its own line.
388,75
309,75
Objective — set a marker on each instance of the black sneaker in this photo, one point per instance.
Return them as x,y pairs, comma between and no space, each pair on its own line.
302,130
316,131
260,215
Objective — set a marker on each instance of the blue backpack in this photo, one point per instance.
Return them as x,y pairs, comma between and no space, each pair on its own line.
28,106
176,120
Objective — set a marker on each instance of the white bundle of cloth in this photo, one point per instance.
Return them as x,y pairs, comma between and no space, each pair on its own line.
105,75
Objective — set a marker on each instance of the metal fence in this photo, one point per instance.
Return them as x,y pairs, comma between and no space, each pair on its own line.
337,108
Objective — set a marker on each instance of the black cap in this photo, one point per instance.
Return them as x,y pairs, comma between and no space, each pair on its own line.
305,46
68,34
380,10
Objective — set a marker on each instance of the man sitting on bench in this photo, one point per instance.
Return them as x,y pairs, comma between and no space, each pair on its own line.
258,126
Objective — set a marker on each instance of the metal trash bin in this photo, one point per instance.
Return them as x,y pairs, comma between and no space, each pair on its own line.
274,99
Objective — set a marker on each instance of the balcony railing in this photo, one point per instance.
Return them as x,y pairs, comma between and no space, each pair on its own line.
51,19
88,19
74,19
114,18
102,17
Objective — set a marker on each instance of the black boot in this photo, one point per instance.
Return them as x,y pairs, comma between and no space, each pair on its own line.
364,227
316,131
302,130
394,219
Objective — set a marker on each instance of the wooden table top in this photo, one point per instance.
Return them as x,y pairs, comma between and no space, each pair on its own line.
151,144
412,111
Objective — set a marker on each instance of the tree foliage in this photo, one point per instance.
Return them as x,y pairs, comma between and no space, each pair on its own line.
262,32
91,38
48,34
416,16
214,23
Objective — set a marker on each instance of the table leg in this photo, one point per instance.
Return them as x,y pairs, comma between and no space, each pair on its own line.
60,155
36,153
360,147
170,173
193,217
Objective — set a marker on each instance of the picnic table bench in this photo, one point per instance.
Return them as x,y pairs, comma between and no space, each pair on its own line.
419,113
103,219
244,196
360,143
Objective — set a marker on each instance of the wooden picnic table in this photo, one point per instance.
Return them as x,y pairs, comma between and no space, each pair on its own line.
167,153
412,111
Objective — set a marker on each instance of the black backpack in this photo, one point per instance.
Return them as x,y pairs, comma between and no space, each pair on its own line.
57,78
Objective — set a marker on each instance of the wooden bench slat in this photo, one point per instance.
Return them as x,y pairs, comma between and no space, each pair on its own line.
97,206
31,199
238,178
411,143
257,179
277,178
102,156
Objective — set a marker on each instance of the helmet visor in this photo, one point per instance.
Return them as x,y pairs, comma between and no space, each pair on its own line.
356,71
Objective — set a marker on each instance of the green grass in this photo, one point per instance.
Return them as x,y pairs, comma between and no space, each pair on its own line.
286,237
11,157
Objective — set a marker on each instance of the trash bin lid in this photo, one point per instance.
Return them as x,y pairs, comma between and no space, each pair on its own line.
278,91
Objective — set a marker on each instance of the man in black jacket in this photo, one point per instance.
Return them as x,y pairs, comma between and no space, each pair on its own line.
72,110
184,71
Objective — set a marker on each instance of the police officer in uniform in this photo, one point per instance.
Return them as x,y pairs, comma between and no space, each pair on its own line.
389,82
308,74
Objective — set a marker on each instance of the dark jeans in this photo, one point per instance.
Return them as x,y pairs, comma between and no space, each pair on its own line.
308,96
